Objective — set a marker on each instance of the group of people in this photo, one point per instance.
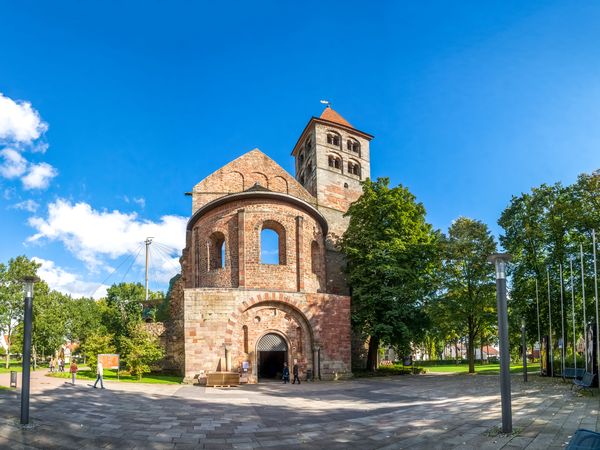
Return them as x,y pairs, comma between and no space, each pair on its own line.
286,373
58,364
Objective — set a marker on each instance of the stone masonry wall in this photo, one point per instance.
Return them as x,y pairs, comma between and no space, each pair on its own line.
215,320
303,266
241,174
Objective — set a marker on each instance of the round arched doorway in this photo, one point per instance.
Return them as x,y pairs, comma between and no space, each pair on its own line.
272,352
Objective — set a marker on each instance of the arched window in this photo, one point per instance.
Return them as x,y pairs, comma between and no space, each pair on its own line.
315,260
335,162
333,138
216,251
272,243
301,158
308,144
353,146
245,330
353,168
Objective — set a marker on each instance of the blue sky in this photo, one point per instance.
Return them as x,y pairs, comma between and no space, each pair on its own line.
112,111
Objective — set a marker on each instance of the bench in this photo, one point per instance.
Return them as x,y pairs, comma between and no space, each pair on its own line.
584,439
585,383
571,372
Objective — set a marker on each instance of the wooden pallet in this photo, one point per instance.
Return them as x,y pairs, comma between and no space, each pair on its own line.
222,379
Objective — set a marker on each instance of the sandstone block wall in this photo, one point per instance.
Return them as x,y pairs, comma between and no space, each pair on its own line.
215,337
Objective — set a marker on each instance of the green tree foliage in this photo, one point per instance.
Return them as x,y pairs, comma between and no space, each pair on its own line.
543,229
123,309
11,295
391,254
466,305
96,344
140,350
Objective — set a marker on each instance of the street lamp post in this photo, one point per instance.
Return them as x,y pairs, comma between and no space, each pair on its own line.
524,345
27,319
500,260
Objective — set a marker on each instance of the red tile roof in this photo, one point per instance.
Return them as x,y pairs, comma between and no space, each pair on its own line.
332,116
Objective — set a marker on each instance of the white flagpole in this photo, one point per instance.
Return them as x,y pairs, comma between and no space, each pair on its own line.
550,324
596,295
583,301
573,310
562,322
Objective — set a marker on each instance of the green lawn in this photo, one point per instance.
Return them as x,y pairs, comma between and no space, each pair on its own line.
111,375
484,369
16,367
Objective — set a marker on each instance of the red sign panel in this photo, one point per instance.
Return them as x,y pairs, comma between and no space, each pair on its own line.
109,361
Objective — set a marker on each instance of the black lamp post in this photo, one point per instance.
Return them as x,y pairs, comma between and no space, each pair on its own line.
500,260
27,319
524,345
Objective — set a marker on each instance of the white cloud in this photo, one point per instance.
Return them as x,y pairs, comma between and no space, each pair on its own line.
27,205
19,122
92,235
14,164
140,201
39,176
66,282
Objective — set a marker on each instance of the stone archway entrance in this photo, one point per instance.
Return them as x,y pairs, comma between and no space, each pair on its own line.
272,352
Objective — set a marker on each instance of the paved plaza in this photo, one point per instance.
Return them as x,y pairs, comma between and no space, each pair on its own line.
424,411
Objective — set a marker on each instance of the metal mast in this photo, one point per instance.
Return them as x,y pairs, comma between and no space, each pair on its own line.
148,241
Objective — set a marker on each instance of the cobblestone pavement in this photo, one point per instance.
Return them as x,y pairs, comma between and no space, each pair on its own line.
423,411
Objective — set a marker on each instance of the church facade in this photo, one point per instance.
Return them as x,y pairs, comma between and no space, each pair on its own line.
234,311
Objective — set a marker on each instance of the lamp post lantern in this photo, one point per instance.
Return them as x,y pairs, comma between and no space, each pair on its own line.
500,260
27,319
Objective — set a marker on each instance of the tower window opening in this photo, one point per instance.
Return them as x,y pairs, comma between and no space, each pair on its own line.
353,146
334,162
353,169
333,139
272,243
301,158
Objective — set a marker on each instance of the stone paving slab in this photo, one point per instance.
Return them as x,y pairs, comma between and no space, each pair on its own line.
416,412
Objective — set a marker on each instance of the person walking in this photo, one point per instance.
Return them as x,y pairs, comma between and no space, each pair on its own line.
73,371
61,367
286,373
99,375
295,371
51,365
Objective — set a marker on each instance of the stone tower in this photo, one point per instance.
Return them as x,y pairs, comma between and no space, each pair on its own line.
332,158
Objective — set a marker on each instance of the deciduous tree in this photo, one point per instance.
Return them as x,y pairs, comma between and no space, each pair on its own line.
391,252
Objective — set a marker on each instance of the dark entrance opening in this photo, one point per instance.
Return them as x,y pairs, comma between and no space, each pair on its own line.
272,353
271,364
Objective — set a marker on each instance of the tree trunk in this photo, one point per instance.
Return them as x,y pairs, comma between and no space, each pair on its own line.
8,356
372,355
471,352
481,350
456,351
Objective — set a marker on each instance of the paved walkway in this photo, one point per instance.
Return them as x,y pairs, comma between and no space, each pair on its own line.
424,411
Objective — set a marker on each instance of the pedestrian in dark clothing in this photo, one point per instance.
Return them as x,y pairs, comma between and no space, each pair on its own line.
295,371
286,373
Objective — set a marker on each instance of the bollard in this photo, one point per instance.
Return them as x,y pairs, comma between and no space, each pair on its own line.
13,379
